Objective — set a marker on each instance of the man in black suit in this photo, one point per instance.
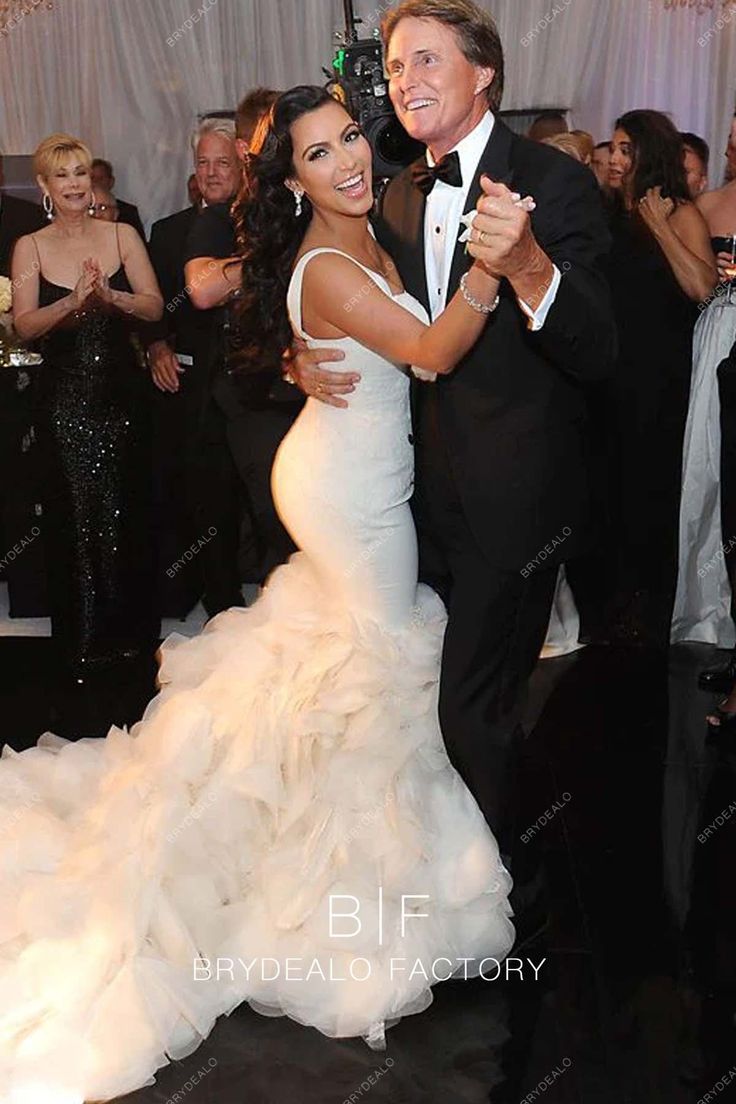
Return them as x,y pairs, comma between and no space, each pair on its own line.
501,473
258,409
17,217
103,178
198,493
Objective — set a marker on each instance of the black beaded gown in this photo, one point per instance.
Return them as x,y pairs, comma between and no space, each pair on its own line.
94,435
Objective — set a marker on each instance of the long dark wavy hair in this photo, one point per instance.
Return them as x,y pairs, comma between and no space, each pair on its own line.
269,231
658,156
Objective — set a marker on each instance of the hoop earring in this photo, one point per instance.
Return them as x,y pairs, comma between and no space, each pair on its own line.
298,203
91,208
48,206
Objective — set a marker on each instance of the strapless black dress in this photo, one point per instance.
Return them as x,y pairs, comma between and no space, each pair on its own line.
94,438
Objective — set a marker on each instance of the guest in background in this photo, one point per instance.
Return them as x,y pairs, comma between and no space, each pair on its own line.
586,145
697,158
601,162
707,526
723,680
215,278
547,125
103,178
565,143
261,408
89,280
731,153
196,484
193,190
17,217
105,207
661,266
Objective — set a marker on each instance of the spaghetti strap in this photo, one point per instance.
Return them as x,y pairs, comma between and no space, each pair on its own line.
38,254
117,239
294,297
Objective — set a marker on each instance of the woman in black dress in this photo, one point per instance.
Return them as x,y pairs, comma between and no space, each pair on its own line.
81,284
662,265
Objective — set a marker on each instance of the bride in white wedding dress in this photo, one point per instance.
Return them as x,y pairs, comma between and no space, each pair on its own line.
283,826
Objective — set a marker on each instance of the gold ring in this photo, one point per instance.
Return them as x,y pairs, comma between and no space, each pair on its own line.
482,236
320,388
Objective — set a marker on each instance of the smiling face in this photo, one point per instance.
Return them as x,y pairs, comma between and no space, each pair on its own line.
333,163
69,185
217,167
439,95
621,165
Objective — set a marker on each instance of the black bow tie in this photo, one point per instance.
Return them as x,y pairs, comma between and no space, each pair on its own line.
448,170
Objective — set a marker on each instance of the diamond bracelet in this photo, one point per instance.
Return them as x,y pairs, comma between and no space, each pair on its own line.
481,308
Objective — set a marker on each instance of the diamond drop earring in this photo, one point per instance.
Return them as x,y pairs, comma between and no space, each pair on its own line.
48,206
298,203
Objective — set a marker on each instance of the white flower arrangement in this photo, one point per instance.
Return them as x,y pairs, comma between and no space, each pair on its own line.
12,352
6,296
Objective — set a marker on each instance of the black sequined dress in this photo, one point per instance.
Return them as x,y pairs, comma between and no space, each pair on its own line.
94,436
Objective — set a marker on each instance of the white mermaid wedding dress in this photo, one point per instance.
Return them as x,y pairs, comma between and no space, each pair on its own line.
158,878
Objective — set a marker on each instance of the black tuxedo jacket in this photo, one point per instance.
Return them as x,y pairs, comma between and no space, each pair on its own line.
510,419
17,217
184,326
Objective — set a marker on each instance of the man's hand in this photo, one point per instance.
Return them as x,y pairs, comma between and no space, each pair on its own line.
165,367
502,237
304,369
503,241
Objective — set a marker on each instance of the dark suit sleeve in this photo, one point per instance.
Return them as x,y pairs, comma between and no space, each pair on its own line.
167,280
579,334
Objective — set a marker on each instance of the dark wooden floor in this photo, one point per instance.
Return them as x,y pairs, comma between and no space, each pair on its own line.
635,1001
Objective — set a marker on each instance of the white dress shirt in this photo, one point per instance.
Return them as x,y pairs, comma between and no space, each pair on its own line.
442,227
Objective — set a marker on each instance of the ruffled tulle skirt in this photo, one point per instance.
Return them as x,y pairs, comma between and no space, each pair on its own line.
282,827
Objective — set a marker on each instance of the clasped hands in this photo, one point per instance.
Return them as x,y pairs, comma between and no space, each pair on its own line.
499,234
93,283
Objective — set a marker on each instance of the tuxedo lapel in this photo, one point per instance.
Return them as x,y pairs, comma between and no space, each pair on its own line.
415,274
495,162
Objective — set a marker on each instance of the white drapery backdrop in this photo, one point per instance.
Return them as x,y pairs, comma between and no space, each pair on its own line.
131,76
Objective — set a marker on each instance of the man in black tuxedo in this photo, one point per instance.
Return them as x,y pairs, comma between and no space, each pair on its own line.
103,178
501,494
17,217
197,483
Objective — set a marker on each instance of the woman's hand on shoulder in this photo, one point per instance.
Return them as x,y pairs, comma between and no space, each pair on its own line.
656,209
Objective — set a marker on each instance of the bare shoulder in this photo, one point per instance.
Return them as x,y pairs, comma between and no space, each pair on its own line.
687,215
334,272
26,247
719,206
128,235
